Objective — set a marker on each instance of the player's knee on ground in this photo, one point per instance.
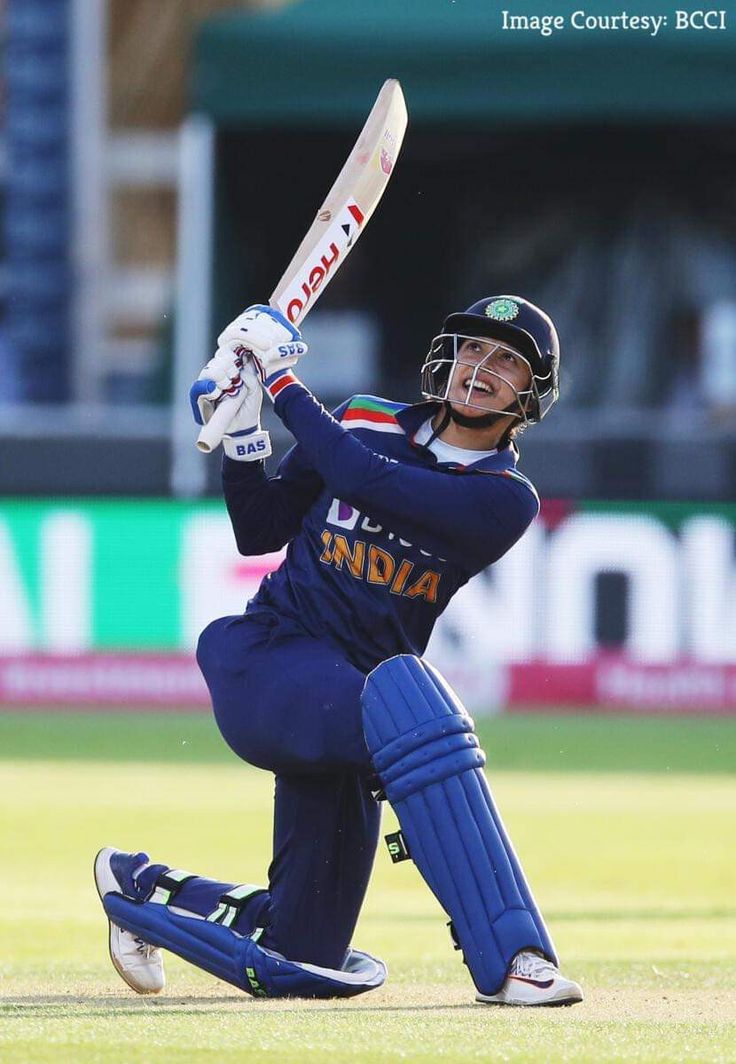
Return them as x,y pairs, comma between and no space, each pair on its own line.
238,959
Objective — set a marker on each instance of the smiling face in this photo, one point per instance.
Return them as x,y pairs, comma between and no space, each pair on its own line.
488,376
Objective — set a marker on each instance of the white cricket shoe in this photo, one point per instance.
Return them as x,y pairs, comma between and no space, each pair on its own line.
533,980
137,962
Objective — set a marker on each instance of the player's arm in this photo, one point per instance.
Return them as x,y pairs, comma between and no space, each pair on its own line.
471,519
267,512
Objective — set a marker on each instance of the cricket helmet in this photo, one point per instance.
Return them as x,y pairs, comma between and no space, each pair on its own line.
514,322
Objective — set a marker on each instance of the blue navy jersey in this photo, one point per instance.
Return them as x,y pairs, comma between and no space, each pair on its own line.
380,534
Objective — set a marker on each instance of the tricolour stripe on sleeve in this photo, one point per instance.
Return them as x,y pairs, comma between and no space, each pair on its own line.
366,412
375,426
278,382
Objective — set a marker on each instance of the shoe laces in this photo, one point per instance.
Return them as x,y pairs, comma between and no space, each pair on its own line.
145,948
532,966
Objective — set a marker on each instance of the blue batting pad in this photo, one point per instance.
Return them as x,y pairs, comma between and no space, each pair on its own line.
428,760
241,961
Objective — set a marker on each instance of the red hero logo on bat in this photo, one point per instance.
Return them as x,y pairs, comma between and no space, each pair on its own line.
318,272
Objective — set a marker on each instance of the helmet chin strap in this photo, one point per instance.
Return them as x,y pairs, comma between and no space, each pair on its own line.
485,421
444,422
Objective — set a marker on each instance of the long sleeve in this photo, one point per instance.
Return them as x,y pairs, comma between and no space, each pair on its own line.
470,518
266,512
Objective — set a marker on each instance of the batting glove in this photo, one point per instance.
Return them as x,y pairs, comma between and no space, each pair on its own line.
273,342
228,374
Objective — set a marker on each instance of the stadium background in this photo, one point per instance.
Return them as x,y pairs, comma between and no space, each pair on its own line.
154,180
159,162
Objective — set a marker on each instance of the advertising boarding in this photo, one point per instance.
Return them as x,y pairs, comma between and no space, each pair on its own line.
597,607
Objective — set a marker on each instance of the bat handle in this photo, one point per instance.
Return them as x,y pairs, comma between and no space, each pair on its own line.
212,433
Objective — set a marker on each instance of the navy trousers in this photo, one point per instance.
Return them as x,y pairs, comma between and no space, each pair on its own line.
290,704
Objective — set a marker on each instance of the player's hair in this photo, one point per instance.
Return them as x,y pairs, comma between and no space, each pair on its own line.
511,434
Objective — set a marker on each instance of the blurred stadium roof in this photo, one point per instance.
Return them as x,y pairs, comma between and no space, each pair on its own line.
320,62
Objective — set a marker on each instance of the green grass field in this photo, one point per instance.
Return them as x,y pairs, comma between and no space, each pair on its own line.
625,826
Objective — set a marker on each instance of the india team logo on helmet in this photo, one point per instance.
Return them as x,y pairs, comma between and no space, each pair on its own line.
502,310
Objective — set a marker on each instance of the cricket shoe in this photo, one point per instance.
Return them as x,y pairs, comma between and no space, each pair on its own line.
137,962
533,980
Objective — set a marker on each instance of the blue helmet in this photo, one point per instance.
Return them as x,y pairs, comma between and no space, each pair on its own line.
526,328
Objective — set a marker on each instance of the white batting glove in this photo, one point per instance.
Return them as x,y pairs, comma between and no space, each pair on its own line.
227,374
274,343
221,376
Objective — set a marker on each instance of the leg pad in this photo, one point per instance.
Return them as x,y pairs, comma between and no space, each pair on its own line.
428,760
240,960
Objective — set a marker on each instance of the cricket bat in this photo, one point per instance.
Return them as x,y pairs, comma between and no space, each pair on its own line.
340,220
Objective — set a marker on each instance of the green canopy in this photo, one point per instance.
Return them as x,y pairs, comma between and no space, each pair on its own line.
321,62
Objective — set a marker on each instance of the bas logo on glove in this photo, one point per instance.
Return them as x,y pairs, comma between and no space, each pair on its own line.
289,350
258,447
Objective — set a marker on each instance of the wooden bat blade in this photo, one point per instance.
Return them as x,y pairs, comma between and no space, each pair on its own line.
349,204
340,220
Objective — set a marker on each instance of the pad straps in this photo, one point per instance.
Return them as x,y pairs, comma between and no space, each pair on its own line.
169,884
233,902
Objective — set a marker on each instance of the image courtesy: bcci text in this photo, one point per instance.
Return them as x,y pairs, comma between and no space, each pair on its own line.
646,25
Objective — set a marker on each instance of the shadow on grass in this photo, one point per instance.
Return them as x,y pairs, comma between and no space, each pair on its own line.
62,1005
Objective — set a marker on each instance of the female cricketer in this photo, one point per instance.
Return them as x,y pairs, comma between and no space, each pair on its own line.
387,509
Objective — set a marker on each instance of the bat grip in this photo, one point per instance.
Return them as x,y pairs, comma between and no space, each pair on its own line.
211,434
